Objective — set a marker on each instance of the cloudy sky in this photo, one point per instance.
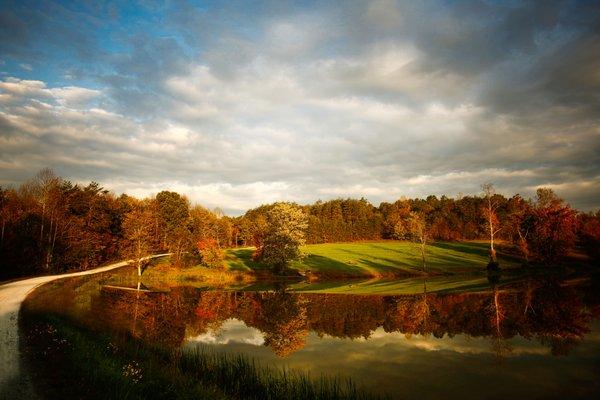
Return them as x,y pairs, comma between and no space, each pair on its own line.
241,103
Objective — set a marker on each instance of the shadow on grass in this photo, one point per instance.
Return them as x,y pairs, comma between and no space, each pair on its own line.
479,249
384,265
384,269
241,260
392,250
441,257
317,263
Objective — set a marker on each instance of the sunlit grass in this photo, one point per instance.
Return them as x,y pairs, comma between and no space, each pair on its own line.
377,259
161,275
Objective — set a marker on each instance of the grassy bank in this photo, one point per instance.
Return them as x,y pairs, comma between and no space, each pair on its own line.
165,272
69,361
330,261
385,259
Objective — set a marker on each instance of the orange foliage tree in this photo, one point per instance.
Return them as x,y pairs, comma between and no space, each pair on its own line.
210,253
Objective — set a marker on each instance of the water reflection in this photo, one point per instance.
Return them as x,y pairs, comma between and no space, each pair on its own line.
556,314
400,338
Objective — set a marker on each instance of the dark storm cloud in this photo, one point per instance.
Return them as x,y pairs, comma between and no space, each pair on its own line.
241,103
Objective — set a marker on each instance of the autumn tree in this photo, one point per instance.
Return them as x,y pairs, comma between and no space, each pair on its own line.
93,227
174,216
202,223
210,253
589,233
519,224
285,234
45,189
243,229
553,226
137,232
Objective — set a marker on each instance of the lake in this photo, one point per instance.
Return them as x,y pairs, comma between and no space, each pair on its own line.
525,336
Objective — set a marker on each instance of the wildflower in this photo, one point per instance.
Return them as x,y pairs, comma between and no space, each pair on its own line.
133,371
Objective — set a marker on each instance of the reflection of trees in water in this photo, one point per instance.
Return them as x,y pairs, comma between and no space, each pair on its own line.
345,316
410,312
558,316
158,318
282,318
501,348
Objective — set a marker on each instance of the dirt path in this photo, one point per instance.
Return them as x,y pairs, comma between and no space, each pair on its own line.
13,384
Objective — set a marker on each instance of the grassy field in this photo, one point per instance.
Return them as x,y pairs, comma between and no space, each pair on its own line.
447,262
379,259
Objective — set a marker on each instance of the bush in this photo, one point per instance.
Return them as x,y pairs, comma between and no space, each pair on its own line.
211,255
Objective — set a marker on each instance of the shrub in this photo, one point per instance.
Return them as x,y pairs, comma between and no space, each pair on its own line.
210,253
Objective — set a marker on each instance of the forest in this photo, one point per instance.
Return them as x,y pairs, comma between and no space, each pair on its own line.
49,225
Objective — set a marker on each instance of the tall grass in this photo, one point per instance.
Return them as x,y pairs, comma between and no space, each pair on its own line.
71,361
243,378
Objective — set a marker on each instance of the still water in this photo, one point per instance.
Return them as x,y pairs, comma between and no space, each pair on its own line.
530,337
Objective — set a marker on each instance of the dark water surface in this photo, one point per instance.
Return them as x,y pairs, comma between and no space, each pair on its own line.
530,337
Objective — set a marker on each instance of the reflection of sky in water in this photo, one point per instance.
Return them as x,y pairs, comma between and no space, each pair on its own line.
429,367
231,331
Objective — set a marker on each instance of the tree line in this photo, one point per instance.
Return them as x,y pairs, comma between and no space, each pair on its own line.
542,230
49,225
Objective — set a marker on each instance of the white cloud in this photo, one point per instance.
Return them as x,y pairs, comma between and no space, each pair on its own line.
73,96
352,100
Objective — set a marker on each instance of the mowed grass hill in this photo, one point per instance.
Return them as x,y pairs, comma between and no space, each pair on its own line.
382,267
379,259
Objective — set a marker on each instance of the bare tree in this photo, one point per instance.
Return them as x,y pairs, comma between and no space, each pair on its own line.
137,228
489,211
46,190
419,232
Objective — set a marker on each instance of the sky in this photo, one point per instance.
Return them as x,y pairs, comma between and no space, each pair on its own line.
241,103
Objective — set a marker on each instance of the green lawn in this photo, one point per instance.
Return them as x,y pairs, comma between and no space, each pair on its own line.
385,258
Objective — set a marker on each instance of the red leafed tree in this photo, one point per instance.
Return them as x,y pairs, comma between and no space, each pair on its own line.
589,233
554,227
210,253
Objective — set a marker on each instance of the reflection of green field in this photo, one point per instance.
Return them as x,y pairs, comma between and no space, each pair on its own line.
439,284
477,282
380,258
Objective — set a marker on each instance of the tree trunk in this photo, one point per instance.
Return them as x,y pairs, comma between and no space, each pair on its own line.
423,256
493,258
523,246
139,256
42,227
